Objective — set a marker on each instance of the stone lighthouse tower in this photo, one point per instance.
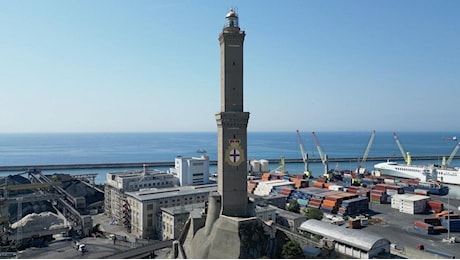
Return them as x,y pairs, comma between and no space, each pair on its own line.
232,122
229,228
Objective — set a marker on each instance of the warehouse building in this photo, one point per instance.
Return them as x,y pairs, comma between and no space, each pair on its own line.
350,242
290,219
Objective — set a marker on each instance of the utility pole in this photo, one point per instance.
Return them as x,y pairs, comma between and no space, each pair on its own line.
448,218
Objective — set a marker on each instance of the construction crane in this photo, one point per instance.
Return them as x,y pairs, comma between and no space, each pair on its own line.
304,156
361,168
406,156
451,157
321,154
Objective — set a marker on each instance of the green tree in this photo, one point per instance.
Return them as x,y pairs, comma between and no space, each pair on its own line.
313,213
292,250
294,206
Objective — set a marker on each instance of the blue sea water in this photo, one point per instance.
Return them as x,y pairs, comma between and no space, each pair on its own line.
74,148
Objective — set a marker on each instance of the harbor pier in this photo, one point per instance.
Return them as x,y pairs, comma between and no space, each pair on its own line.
213,162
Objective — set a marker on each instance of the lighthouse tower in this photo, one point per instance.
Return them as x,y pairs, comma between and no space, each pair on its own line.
230,224
232,122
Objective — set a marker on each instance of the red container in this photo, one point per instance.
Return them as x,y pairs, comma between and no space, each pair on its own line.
321,179
422,225
318,184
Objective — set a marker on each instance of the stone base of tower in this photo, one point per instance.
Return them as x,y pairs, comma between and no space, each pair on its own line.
231,238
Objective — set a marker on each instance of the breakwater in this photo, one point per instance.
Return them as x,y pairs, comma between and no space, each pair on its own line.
213,162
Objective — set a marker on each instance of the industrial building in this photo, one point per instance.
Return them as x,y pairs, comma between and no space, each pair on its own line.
191,170
289,219
349,242
143,209
35,208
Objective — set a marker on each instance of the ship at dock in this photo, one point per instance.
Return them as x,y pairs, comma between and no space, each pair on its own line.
431,172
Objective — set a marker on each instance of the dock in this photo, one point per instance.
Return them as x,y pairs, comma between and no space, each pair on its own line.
213,162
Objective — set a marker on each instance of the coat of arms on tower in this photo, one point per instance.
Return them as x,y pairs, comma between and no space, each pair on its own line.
234,154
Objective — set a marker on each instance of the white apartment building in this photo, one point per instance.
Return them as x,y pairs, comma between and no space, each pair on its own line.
191,170
118,183
145,206
174,218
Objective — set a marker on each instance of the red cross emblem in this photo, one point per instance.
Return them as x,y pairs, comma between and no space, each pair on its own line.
234,155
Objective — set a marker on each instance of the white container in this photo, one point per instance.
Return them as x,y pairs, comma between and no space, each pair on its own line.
335,187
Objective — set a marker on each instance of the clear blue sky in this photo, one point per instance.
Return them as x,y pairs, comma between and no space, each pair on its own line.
118,66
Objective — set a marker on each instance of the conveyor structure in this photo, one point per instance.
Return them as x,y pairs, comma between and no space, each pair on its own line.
41,189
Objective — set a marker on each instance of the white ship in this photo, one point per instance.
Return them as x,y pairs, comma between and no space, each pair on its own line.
425,173
422,172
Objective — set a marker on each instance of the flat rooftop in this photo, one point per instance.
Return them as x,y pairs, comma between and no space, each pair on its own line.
154,194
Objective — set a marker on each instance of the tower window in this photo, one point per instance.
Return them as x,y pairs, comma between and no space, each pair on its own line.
233,63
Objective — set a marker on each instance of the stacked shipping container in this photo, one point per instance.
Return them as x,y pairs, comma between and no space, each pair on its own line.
265,187
423,227
378,196
451,221
435,206
409,203
354,206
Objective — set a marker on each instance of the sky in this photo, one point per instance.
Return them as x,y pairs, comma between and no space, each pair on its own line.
153,66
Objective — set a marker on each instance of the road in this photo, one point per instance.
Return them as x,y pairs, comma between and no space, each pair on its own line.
398,228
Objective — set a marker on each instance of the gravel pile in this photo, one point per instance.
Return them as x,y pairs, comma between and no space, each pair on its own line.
37,222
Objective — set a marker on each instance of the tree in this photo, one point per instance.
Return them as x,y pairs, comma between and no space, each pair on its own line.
313,213
294,206
292,250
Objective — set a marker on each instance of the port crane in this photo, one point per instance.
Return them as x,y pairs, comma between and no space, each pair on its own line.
406,155
321,154
304,156
361,168
451,157
281,167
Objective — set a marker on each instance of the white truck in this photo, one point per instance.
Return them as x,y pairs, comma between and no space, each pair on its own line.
80,247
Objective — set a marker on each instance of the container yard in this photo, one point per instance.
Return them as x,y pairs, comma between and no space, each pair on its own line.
377,204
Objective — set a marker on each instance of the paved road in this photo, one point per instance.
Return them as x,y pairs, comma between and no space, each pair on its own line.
398,228
96,248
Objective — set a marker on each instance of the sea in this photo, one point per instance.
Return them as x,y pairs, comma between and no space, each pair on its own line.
17,149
